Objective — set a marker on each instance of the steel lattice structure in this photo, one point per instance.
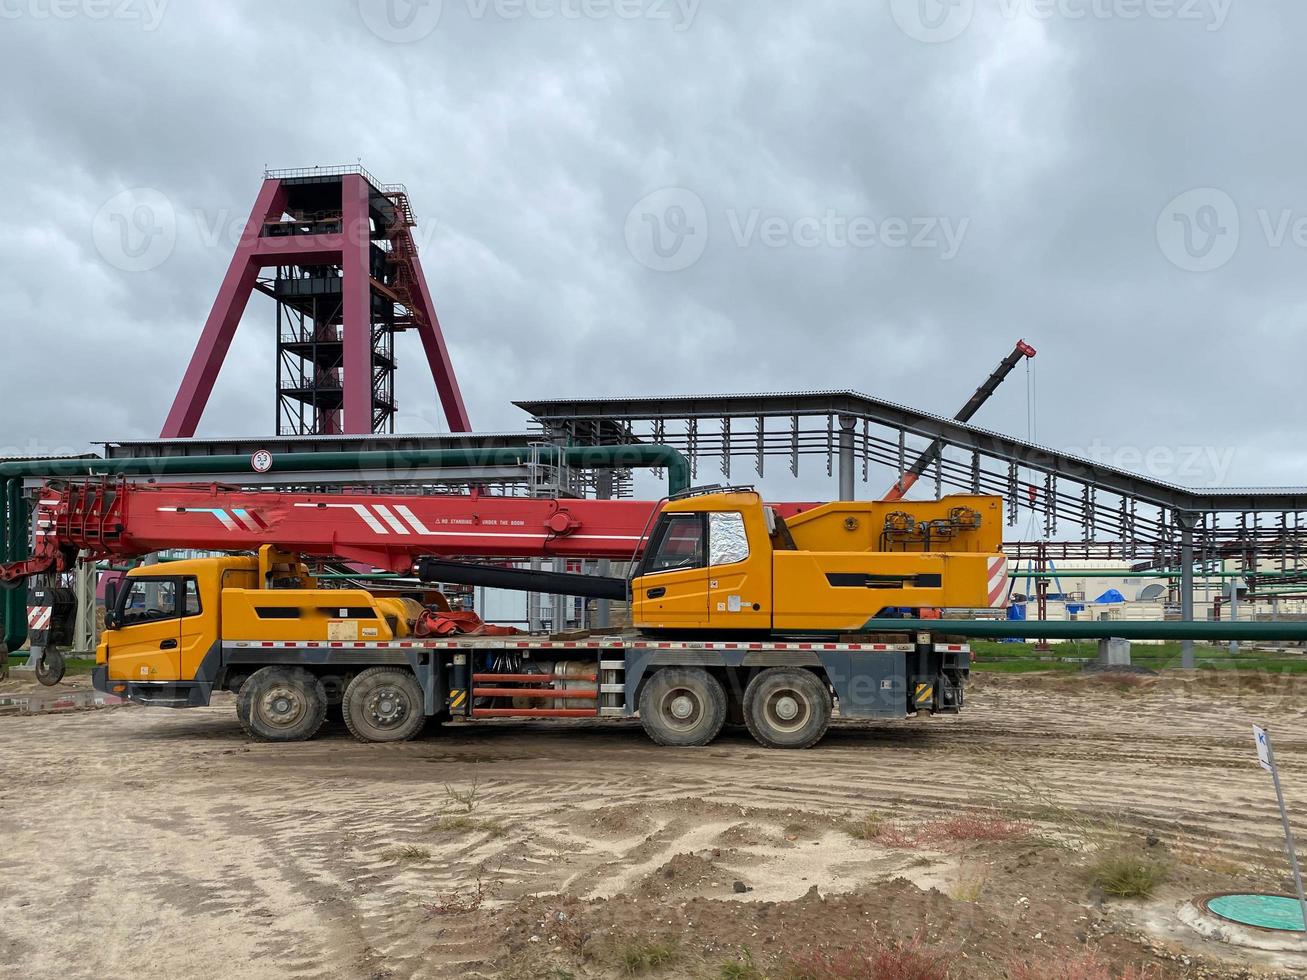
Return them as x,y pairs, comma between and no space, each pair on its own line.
335,249
1112,512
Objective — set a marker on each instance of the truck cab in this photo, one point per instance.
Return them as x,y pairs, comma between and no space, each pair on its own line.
166,624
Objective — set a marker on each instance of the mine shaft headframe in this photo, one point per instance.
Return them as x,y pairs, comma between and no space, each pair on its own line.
320,229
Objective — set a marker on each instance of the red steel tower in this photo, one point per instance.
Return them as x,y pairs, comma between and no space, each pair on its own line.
334,248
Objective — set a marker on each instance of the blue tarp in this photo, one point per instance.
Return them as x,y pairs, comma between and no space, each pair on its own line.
1111,595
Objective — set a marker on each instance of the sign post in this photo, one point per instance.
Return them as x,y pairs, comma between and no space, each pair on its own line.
1266,759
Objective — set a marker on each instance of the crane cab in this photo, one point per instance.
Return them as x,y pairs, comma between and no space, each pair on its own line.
726,561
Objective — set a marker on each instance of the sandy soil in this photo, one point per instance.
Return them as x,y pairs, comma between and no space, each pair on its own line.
154,843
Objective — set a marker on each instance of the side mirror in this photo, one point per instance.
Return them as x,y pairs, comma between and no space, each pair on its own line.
111,606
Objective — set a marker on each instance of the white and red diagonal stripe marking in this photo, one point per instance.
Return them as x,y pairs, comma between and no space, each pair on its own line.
997,585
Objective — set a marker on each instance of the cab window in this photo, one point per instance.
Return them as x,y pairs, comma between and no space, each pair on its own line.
727,541
677,543
149,600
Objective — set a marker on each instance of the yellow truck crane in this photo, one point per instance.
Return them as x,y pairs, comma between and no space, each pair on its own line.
773,616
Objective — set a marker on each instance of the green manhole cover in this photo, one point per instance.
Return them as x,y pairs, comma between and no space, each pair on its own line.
1280,912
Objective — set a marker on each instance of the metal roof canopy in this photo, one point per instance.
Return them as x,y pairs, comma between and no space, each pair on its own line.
578,414
853,427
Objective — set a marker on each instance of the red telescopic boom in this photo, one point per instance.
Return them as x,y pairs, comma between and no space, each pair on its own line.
390,531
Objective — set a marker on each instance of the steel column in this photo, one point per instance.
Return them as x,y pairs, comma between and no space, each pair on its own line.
1186,522
847,458
84,628
442,368
356,305
604,607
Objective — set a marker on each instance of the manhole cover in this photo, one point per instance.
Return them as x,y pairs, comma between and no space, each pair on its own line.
1279,912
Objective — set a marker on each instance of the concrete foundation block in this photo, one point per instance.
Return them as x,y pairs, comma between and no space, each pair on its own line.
1113,651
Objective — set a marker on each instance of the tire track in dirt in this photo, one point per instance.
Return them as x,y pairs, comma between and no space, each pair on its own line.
164,842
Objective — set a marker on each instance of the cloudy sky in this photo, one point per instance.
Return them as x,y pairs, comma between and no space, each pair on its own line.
682,196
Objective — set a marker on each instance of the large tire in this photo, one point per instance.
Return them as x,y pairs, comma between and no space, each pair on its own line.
50,668
384,704
787,708
281,704
682,706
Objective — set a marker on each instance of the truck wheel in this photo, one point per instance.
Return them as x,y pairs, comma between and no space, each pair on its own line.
50,668
384,704
281,704
787,708
682,706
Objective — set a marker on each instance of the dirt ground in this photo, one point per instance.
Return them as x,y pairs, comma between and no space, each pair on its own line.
154,843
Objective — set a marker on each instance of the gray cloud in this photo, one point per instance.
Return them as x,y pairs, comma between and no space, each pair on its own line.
527,134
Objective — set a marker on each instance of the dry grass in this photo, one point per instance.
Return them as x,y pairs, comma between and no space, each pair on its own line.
634,955
1035,798
877,960
459,903
466,800
968,887
966,828
867,827
741,969
405,852
973,827
462,823
1084,967
1127,874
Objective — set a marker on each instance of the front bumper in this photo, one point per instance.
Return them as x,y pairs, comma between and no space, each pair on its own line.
159,694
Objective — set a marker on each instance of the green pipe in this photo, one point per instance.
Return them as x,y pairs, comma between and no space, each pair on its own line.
1097,629
13,538
1126,573
399,462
